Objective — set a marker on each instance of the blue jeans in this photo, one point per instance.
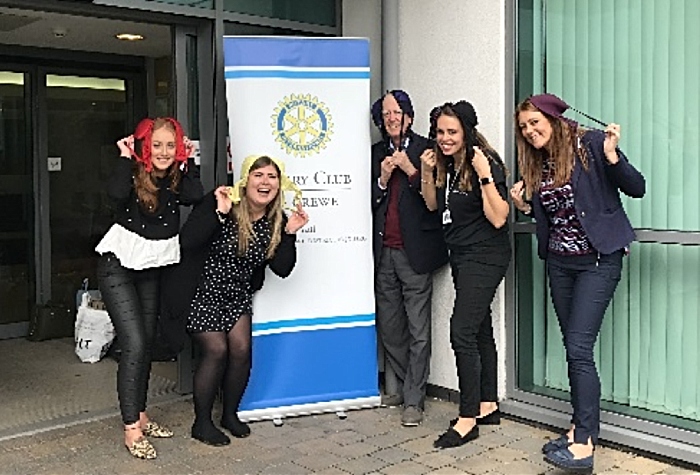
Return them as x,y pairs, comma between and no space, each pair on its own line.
582,287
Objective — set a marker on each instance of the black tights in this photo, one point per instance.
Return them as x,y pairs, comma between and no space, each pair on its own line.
225,362
131,298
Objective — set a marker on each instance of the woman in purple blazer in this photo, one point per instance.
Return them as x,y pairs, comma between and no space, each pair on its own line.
571,183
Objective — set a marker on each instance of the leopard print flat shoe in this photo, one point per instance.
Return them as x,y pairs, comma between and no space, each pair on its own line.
142,449
153,429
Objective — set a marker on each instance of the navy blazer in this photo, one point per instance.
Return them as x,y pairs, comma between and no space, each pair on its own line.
421,229
597,198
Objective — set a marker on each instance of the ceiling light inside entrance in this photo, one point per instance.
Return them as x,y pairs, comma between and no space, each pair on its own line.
129,37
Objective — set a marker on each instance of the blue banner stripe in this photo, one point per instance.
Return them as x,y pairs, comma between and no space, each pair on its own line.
298,74
310,367
300,52
307,322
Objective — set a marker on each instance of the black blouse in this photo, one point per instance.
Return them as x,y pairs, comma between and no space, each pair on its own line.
164,221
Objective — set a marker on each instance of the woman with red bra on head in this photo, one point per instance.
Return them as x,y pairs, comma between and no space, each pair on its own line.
146,192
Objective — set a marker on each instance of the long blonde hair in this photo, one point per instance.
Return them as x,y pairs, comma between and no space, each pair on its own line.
462,160
145,181
560,151
241,213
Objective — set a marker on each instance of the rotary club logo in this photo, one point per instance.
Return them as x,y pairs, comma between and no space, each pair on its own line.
302,125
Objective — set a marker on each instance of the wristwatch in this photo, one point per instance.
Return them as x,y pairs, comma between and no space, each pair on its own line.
486,180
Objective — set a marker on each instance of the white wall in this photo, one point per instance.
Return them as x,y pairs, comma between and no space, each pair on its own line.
451,50
448,50
363,19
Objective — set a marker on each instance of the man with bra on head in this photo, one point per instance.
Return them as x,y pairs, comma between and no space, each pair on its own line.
408,247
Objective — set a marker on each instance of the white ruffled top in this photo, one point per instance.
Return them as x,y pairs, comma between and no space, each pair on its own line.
136,252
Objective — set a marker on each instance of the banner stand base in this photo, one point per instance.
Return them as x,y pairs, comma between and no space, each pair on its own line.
278,414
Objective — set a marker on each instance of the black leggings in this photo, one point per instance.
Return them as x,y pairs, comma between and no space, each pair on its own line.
131,298
225,362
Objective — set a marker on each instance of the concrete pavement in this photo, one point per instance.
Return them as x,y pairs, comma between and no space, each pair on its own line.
366,442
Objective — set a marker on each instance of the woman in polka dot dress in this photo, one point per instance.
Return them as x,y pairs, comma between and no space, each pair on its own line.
146,193
233,234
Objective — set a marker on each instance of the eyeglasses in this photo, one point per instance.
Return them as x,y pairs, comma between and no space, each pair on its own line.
387,114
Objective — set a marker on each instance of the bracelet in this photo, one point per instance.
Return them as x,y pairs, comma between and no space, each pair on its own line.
529,210
427,182
221,216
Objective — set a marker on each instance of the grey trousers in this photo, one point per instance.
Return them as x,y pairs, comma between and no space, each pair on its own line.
403,300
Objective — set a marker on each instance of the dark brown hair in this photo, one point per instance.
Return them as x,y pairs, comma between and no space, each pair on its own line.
463,158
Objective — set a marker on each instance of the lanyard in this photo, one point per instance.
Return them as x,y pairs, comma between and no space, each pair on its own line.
449,185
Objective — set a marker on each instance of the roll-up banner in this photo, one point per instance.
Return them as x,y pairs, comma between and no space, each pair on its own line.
305,100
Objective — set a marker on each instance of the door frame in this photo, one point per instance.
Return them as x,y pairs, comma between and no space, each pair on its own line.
211,142
18,329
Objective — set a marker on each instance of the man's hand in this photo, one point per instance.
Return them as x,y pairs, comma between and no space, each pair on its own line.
401,160
388,167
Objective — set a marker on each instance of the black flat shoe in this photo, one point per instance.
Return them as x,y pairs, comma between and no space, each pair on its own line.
490,419
451,438
210,436
237,428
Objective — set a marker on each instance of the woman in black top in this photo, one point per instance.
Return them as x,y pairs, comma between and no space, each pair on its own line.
146,194
464,178
227,242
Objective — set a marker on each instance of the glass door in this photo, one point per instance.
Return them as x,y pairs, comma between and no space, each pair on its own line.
85,116
16,206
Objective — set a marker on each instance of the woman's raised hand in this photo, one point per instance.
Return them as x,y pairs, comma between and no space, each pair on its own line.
296,220
481,163
428,160
189,146
126,146
612,138
223,201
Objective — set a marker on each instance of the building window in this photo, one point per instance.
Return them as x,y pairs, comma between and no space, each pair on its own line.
318,12
188,3
634,63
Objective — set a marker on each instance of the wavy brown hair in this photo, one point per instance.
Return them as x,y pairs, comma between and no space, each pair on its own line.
463,158
560,152
241,213
145,181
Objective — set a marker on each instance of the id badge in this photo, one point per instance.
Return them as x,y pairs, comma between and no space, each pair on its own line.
446,218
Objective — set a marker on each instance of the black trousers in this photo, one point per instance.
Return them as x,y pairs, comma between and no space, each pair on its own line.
131,298
477,273
582,287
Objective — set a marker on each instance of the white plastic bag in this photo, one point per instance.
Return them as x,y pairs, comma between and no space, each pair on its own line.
94,332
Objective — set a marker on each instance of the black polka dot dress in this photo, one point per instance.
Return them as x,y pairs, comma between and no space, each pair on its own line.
225,292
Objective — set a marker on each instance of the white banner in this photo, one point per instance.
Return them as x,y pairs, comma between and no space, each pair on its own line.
305,100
